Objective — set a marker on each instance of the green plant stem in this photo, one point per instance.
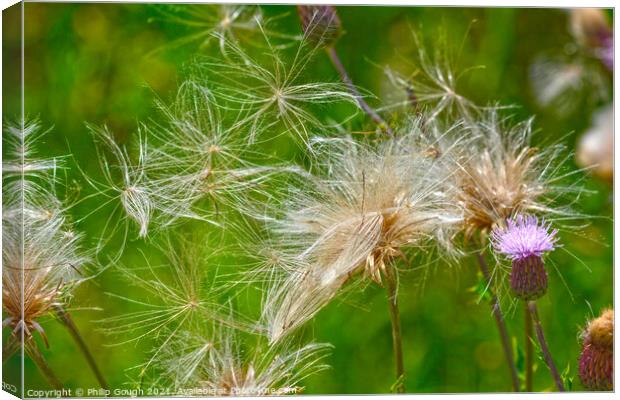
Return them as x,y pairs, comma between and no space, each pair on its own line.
75,333
335,59
36,356
499,321
397,344
529,351
11,346
543,346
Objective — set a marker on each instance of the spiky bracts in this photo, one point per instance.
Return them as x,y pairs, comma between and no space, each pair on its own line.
597,358
524,241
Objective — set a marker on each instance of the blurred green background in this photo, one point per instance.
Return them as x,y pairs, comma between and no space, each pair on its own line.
97,63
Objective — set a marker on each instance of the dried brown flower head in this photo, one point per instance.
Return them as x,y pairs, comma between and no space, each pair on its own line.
501,175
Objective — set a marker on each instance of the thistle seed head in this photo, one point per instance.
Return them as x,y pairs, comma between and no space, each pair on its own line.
275,97
41,255
174,297
203,163
22,141
433,84
500,175
216,363
596,361
214,23
363,209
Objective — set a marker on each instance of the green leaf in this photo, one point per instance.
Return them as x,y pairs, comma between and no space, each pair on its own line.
538,351
520,360
399,382
567,378
481,289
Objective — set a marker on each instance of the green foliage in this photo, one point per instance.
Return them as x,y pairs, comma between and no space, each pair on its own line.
100,63
568,378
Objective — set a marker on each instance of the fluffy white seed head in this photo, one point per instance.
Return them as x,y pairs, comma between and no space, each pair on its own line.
365,206
217,365
41,255
272,95
500,175
174,297
204,157
209,24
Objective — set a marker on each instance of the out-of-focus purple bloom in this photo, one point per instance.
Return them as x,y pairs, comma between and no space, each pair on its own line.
606,52
524,237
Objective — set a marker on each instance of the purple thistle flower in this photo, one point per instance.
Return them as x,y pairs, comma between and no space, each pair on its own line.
524,237
524,241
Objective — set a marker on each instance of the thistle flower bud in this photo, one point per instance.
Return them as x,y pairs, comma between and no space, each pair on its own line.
524,241
528,278
321,24
597,357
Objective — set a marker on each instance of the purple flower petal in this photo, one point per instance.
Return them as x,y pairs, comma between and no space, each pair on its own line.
523,237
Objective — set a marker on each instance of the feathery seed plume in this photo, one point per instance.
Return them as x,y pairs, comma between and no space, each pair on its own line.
364,208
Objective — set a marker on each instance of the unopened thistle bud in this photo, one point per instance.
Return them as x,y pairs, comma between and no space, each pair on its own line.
596,364
524,241
321,24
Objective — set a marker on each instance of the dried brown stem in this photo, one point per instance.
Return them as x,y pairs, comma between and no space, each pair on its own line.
75,333
529,351
333,55
543,346
501,324
397,344
36,356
